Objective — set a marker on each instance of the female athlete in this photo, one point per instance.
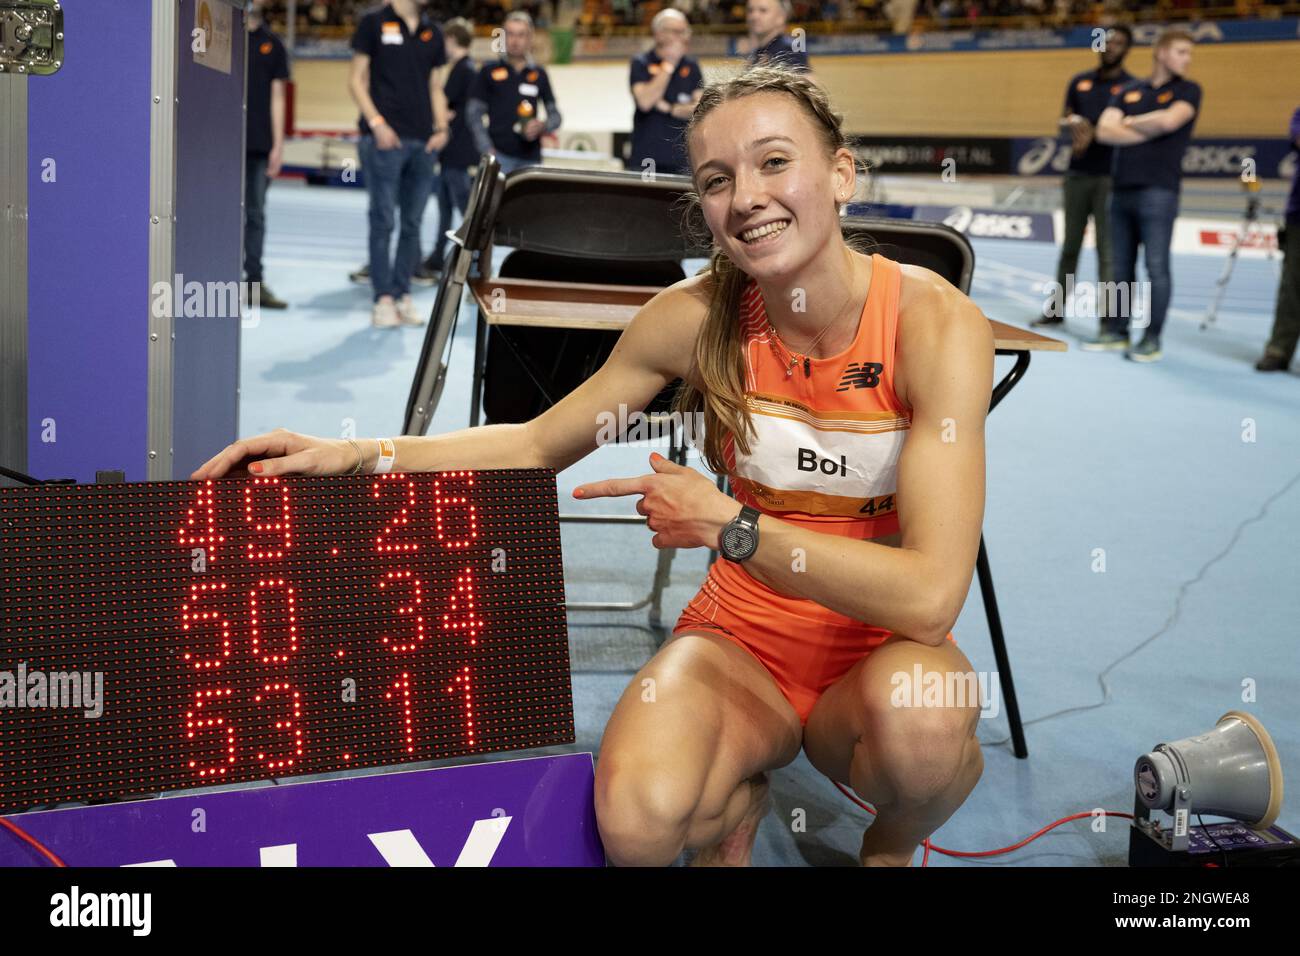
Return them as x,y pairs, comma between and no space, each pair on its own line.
845,395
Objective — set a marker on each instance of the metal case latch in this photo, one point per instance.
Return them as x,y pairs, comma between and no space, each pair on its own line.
31,36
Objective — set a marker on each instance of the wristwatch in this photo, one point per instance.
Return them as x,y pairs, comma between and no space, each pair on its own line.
739,538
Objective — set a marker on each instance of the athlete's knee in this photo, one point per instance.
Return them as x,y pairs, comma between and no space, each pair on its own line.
642,813
922,749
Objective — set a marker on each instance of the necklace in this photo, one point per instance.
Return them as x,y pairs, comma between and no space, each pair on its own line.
794,357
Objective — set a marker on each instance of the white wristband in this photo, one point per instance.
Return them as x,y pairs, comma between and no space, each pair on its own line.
387,454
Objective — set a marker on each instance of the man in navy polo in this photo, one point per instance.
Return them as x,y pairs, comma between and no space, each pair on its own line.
1087,182
507,91
459,154
1150,121
768,43
666,84
396,52
268,72
1286,320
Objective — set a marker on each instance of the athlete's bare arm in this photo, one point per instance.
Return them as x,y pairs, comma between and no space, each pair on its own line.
945,373
655,349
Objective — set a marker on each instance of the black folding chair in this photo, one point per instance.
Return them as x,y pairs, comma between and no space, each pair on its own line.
474,235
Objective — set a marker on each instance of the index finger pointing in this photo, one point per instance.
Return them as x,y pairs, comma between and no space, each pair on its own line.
612,488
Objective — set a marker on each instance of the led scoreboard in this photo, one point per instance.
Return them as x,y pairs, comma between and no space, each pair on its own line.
165,635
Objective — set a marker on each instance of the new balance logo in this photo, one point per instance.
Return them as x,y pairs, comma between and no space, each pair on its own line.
861,375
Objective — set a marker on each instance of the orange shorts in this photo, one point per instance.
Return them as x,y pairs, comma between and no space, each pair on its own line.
803,645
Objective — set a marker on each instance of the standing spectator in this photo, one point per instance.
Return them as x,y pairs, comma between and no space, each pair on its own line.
1151,122
507,92
1286,324
666,84
459,154
268,72
1087,182
768,43
395,83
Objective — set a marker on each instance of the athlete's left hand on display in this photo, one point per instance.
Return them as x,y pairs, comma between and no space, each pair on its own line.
683,508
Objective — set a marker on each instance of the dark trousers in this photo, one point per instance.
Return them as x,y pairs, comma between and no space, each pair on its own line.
453,192
1286,322
396,179
255,183
1142,215
1086,195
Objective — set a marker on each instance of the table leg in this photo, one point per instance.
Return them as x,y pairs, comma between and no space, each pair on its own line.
987,591
480,358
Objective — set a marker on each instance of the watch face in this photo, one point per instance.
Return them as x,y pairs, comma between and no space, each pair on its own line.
738,543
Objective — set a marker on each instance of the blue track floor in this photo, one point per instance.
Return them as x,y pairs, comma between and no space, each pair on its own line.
1196,613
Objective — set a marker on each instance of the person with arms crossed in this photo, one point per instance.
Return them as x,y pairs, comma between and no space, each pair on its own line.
1150,122
1087,182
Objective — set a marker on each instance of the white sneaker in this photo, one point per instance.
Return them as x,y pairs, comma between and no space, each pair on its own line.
384,315
407,312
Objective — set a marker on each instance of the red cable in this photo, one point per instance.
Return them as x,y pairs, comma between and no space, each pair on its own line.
28,838
979,853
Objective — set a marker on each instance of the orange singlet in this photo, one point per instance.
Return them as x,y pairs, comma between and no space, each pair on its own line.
824,457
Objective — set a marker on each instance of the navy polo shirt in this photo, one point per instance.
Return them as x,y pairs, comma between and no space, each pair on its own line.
459,151
1159,160
400,64
512,96
267,61
1088,94
780,51
656,135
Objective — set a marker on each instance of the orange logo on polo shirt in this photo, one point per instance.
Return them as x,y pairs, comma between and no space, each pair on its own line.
532,76
1116,88
684,71
391,27
1083,86
265,48
1133,97
500,73
426,36
1165,97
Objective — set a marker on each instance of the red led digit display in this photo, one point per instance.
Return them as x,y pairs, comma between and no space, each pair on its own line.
248,628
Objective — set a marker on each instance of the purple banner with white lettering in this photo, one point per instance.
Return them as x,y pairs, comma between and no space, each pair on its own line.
536,811
991,223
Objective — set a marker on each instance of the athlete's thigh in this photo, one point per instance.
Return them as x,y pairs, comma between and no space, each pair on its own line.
704,713
851,706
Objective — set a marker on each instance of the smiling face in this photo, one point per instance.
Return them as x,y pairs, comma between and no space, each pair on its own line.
768,183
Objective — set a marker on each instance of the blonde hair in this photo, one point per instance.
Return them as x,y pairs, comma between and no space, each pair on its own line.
719,360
